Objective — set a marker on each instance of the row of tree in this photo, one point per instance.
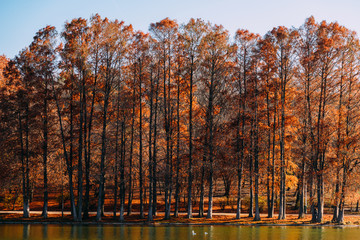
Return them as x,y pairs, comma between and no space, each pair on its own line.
173,111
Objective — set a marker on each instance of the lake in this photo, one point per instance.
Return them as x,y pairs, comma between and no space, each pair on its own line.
53,232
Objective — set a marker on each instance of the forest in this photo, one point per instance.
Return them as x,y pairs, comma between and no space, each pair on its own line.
183,118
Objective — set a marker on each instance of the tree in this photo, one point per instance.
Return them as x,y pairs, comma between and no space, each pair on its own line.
140,64
182,111
192,35
283,40
112,49
307,73
165,33
75,56
246,43
215,63
267,54
43,60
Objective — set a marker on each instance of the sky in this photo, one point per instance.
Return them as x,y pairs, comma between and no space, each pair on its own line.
21,19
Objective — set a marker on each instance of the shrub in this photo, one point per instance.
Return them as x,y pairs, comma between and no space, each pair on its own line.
11,200
66,198
232,202
223,203
262,203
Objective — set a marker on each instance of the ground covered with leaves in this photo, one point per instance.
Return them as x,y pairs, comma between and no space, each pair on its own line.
291,219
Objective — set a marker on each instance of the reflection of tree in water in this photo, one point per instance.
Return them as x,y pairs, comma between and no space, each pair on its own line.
26,231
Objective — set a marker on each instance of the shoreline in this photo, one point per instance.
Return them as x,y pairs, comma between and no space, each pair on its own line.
178,224
219,219
181,224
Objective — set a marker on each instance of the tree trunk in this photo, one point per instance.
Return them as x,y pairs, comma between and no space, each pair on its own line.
67,160
190,173
122,168
103,153
167,134
151,183
337,197
80,148
256,155
27,169
26,210
116,155
302,190
45,153
210,124
271,212
140,146
251,191
202,183
268,193
88,145
240,154
282,205
155,147
129,208
177,187
167,213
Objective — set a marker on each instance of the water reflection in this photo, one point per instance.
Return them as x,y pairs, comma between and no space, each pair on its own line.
100,232
45,232
26,231
60,232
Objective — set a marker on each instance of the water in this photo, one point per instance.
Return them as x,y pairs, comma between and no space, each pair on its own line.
57,232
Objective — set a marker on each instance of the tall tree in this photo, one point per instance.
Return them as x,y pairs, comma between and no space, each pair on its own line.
75,54
284,40
165,32
217,54
113,49
192,35
245,42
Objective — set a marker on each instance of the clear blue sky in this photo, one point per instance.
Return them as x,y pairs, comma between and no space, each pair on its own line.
21,19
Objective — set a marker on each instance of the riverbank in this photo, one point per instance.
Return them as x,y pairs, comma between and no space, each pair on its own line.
218,219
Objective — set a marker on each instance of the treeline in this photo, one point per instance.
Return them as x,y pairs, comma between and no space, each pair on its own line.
175,111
